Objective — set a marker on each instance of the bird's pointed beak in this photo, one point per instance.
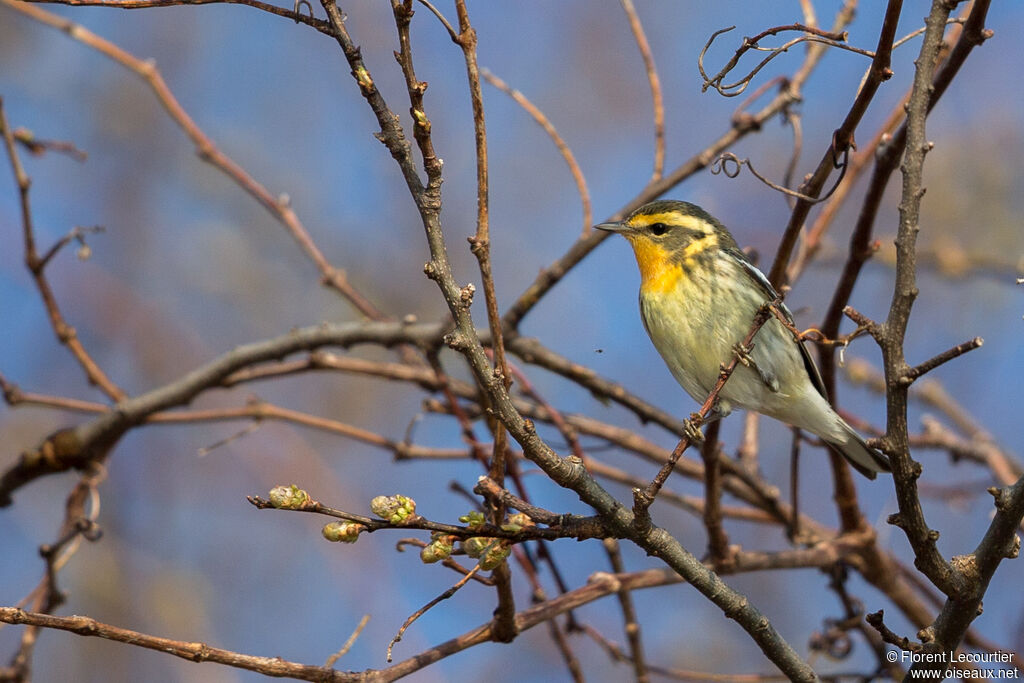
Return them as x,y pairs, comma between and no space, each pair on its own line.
615,226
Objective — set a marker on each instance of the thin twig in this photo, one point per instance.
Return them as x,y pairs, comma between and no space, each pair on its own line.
810,16
81,510
279,207
563,147
718,542
423,610
1005,468
794,120
465,425
38,147
298,17
91,441
856,166
440,17
841,141
448,562
65,333
191,651
811,35
76,233
652,79
329,664
875,619
631,624
721,165
960,349
794,484
748,449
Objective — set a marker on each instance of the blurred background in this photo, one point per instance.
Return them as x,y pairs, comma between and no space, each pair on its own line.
189,267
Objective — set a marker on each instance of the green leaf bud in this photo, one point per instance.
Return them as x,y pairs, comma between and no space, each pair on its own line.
396,509
342,531
288,497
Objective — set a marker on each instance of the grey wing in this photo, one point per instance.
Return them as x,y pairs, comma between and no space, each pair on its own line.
762,282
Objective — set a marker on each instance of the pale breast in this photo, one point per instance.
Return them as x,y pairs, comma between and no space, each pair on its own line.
696,328
687,339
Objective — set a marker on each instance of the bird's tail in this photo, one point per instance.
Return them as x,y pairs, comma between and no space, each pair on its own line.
861,456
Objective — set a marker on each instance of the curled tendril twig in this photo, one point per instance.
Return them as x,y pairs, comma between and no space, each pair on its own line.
810,34
298,9
730,165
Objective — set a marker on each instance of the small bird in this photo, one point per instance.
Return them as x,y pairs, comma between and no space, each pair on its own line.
699,296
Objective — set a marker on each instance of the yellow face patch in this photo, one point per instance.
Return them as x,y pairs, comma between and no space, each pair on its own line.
666,258
658,272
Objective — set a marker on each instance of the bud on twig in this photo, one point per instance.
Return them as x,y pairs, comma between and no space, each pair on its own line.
440,548
475,547
288,497
474,519
495,555
396,509
343,532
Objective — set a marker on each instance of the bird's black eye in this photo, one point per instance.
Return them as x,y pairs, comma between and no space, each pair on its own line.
658,228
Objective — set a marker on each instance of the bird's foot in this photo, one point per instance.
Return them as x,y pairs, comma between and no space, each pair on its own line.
691,430
767,378
743,354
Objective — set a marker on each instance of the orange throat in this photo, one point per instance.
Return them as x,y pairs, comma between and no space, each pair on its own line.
658,272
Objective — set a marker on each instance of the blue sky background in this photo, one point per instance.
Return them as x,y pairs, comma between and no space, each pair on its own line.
189,266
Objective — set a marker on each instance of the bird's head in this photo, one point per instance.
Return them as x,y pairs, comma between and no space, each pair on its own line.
669,239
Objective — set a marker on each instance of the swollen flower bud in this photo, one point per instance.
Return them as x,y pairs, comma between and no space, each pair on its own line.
521,519
344,532
475,547
439,549
396,509
495,555
288,497
517,523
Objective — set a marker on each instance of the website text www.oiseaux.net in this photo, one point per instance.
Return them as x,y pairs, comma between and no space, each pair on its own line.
972,665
